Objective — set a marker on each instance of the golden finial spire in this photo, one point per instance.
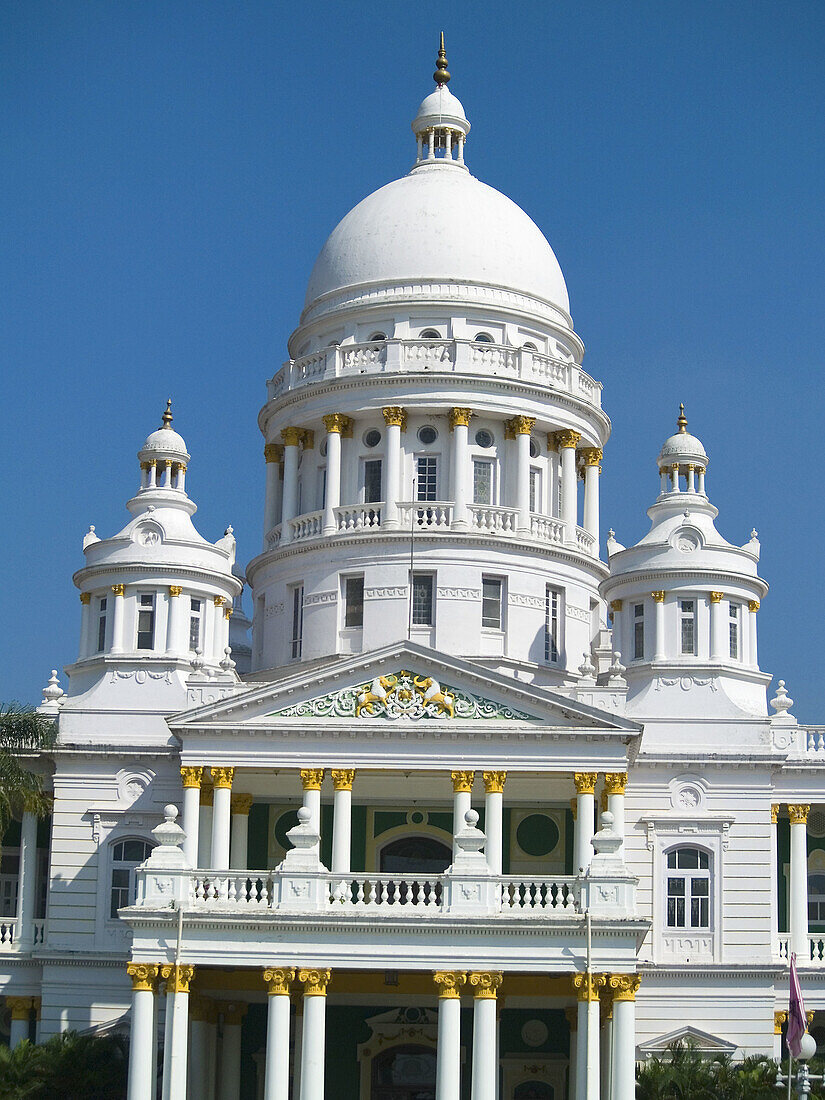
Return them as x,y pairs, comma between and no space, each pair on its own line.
681,423
441,76
167,416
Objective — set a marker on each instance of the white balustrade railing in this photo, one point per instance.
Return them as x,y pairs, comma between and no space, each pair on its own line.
546,528
519,893
387,892
812,740
9,938
358,517
431,515
239,889
585,541
816,950
309,526
490,517
273,538
444,356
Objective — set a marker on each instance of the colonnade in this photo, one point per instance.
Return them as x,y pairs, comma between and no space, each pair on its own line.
602,1030
158,473
215,819
283,460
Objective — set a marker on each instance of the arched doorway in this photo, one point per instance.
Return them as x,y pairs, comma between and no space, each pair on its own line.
404,1073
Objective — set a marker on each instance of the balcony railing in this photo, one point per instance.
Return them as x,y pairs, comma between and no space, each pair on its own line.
436,357
816,950
435,516
9,940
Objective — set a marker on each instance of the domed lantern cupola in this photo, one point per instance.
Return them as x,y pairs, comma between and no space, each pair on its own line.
440,125
683,600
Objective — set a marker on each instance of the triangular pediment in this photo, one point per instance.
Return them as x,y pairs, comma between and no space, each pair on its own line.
401,683
702,1041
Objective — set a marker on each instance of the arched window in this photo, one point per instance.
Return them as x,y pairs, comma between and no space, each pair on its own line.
126,856
688,888
816,899
483,338
430,334
377,336
415,855
405,1072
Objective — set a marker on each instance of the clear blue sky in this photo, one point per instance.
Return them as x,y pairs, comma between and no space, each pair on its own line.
170,171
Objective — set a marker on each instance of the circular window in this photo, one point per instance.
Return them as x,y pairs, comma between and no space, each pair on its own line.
534,449
323,448
284,823
427,435
537,835
372,438
484,438
416,818
430,334
483,338
378,336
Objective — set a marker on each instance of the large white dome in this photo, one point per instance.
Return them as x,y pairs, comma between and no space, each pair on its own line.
439,223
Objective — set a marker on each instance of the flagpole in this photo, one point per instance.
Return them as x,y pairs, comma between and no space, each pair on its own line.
790,1073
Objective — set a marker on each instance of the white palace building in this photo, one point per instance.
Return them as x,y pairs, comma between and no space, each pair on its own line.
476,813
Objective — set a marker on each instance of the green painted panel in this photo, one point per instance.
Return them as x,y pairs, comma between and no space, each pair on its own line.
507,829
359,838
284,822
440,820
326,835
537,835
568,842
253,1039
258,846
783,857
558,1031
386,819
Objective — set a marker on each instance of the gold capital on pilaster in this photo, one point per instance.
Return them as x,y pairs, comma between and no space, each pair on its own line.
717,597
191,776
337,422
462,781
774,813
274,452
343,778
624,987
485,983
552,441
175,590
779,1018
449,983
615,605
587,986
592,456
291,436
207,794
177,978
278,979
568,438
798,813
227,612
20,1007
521,425
753,605
315,982
615,782
117,589
219,601
494,782
144,975
658,597
312,778
85,598
222,778
460,418
395,417
585,782
241,804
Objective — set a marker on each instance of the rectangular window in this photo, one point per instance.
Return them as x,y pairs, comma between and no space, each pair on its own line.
482,481
734,631
638,632
426,487
101,627
195,617
687,626
491,593
372,480
297,619
552,641
422,599
354,601
146,621
535,489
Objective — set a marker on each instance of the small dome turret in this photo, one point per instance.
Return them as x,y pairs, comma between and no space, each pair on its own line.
164,443
440,125
682,461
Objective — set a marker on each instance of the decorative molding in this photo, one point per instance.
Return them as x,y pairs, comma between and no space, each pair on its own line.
520,599
686,683
395,592
140,675
458,593
274,609
580,614
316,598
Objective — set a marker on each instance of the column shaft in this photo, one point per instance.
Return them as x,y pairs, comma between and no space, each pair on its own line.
312,1049
460,430
273,452
332,499
341,829
174,608
493,817
717,650
85,626
140,1082
191,814
221,820
178,1005
581,1051
585,820
448,1058
659,627
117,618
393,417
774,882
239,842
484,1070
624,1050
205,829
462,801
276,1085
592,471
593,1071
523,480
24,934
753,656
230,1076
290,495
569,488
799,883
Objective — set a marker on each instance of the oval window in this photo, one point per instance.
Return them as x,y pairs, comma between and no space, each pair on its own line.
484,438
427,435
372,438
535,450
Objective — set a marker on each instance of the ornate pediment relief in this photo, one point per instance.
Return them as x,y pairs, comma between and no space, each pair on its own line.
403,695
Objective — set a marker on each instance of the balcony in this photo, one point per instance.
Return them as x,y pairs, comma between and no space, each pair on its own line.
436,357
436,517
9,939
816,950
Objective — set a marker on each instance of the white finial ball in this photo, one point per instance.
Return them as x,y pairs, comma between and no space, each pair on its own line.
170,812
807,1047
471,817
304,814
606,819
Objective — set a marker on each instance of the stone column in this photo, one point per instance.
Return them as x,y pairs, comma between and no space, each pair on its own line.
717,645
462,801
587,988
176,1045
205,826
229,1087
573,1023
311,780
624,988
798,924
493,816
85,625
585,819
142,1037
334,424
191,778
27,875
448,1055
606,1042
522,426
753,656
221,816
313,1047
240,805
21,1008
567,442
174,606
779,1018
660,650
614,785
396,420
700,470
459,424
296,1050
276,1080
592,471
117,618
274,455
200,1043
289,504
485,1067
342,779
774,882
